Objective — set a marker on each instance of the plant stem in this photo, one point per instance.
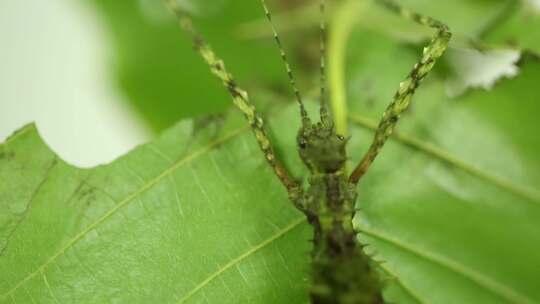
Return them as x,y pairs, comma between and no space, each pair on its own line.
345,17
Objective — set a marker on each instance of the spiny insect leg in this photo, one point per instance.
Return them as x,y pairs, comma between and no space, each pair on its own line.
305,119
239,96
403,96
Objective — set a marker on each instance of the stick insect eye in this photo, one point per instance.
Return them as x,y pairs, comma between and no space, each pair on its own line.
302,143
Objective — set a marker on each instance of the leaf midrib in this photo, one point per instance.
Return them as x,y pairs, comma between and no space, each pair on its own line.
531,195
489,284
147,186
243,256
440,154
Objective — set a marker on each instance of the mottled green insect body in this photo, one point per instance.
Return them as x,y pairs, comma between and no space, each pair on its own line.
341,271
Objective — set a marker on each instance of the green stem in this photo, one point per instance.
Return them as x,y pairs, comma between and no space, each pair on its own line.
345,17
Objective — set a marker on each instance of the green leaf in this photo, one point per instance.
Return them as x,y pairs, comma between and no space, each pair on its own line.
520,30
468,18
454,210
179,220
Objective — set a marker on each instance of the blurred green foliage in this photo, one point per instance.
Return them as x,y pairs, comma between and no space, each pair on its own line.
521,29
165,80
163,77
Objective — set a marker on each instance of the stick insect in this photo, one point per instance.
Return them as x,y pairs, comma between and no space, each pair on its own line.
341,271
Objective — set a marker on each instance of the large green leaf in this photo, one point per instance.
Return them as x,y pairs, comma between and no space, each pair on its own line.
452,209
455,210
179,220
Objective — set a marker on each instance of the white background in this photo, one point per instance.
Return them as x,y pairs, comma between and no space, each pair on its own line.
55,71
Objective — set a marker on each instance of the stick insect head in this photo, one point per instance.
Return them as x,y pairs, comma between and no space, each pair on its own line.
321,149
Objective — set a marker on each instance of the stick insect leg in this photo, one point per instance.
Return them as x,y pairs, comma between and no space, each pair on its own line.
306,123
404,94
239,96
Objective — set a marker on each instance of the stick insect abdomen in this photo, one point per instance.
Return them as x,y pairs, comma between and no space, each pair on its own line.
341,271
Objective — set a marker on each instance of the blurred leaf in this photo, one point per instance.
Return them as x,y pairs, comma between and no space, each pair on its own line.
467,19
464,17
165,80
521,30
160,73
375,69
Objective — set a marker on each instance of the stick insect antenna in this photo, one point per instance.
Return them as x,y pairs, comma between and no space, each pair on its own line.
402,98
323,107
239,96
305,118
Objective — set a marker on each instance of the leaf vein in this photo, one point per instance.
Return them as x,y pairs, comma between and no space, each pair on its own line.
29,204
403,286
530,194
489,284
241,257
125,201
